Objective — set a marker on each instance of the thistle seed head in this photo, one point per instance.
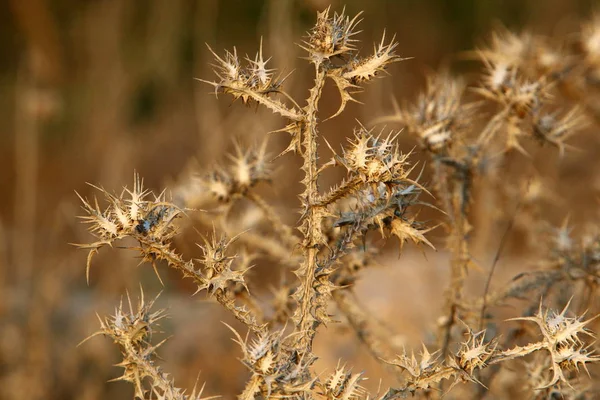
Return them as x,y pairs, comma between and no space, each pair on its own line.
331,36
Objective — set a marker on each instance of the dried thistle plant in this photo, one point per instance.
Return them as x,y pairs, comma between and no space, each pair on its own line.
381,192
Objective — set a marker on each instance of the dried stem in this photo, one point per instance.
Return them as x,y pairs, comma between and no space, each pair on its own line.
306,322
366,331
281,229
378,193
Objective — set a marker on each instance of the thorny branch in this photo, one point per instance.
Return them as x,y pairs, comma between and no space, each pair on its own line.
465,141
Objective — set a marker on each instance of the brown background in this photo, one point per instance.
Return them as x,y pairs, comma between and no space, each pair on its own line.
92,90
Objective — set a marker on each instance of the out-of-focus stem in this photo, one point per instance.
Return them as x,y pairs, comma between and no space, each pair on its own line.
284,231
365,329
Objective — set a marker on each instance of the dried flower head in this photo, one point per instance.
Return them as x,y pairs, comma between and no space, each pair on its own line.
550,128
220,273
252,83
331,36
342,384
132,331
475,351
150,222
246,169
439,117
240,81
373,159
562,339
590,41
275,372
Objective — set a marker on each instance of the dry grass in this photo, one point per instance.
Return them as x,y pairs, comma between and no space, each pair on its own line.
530,91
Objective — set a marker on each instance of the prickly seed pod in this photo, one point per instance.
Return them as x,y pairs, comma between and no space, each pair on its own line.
331,36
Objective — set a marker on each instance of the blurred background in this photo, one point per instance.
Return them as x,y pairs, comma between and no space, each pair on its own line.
92,90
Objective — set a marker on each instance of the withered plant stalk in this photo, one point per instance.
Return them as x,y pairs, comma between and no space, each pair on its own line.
377,194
